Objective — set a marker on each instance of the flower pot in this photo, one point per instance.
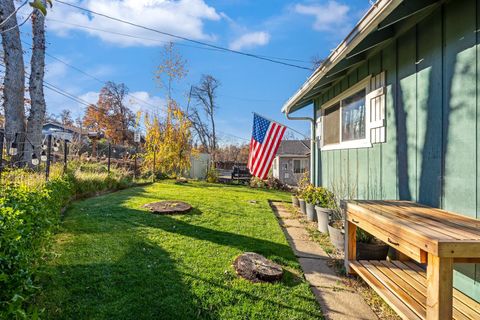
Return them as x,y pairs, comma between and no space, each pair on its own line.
323,217
303,205
295,201
372,251
311,214
337,237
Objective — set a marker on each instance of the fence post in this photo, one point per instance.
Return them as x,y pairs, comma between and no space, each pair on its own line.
2,136
49,156
154,160
109,156
65,156
135,163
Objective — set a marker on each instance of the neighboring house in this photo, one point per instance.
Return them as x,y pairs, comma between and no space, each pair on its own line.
63,131
292,161
396,110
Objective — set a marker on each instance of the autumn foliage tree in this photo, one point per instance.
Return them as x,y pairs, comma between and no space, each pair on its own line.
168,142
110,115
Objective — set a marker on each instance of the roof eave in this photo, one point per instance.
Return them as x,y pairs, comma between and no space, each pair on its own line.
369,22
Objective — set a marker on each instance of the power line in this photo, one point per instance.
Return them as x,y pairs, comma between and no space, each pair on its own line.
251,55
162,41
90,75
13,13
18,25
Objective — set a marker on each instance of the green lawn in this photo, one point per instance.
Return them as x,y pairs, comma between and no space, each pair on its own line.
114,260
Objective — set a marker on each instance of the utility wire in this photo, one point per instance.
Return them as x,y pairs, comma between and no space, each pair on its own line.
17,25
13,13
251,55
161,41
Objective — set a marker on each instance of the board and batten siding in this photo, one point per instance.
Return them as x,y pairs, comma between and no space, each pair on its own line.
431,154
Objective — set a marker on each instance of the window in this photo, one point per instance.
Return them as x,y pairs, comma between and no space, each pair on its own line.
331,120
355,118
285,166
300,165
287,175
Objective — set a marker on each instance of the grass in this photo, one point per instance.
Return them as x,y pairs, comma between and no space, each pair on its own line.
115,260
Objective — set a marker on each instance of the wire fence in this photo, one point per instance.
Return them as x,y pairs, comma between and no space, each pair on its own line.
28,163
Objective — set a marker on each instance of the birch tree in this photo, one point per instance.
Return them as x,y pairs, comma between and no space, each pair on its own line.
38,108
14,80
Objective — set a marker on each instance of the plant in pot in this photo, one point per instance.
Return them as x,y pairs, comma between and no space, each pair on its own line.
295,198
302,186
369,247
324,207
310,197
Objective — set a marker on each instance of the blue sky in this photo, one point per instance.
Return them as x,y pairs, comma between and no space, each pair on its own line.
286,29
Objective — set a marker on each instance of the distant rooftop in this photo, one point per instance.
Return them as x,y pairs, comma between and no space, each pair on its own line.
294,147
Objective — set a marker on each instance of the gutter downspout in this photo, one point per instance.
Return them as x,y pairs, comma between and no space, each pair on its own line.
313,150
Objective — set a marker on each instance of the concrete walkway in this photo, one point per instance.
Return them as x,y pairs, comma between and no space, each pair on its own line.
337,301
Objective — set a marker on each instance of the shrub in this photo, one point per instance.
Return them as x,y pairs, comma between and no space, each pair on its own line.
29,214
318,196
212,175
270,183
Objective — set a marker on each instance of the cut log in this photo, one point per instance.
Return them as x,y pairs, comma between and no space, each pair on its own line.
256,268
168,207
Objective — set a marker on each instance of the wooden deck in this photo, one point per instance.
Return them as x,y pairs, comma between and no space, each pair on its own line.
429,236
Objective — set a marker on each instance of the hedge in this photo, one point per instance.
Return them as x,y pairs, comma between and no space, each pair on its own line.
29,215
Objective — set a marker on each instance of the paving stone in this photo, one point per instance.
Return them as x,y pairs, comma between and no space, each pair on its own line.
343,305
319,274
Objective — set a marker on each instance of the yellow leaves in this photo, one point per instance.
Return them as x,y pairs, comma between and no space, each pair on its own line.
168,141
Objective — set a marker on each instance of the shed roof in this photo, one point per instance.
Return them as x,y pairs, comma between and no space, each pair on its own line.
377,27
293,147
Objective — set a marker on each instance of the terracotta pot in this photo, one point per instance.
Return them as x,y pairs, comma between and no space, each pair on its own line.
337,237
323,217
303,205
295,201
372,251
311,214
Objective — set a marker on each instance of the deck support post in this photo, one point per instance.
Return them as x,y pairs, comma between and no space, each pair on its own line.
350,245
439,287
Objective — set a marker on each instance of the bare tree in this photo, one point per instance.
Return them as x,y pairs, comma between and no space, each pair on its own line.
38,108
316,61
205,94
14,80
66,117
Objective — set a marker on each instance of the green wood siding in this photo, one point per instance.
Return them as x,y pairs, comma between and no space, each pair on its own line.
431,154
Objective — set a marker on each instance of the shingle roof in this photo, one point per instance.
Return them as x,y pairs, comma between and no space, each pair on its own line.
294,147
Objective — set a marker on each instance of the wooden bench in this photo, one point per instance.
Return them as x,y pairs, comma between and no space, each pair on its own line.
420,284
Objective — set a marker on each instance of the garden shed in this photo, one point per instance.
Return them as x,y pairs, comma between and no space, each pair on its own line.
396,111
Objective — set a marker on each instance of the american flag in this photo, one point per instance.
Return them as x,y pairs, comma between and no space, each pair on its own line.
265,141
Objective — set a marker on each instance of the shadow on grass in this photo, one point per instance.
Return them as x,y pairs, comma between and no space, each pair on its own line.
142,284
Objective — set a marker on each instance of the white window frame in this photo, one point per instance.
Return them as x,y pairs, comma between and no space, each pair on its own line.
364,84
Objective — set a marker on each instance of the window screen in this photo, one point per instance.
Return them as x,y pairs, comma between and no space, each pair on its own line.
353,117
331,125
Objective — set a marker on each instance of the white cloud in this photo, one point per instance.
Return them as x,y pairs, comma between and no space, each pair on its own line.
330,16
184,17
250,40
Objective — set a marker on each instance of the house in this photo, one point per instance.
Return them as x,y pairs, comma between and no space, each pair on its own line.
291,161
65,132
396,110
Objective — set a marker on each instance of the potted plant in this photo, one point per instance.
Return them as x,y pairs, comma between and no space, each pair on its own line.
303,205
295,199
324,207
310,197
336,229
369,247
302,186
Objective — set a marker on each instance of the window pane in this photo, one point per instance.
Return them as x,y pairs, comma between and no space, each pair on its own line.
331,124
353,117
296,166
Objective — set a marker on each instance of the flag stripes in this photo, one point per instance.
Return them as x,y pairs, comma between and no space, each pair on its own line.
265,141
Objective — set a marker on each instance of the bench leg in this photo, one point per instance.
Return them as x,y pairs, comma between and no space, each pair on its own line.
439,287
350,245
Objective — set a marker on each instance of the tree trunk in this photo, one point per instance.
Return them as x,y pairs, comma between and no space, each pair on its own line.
38,106
14,81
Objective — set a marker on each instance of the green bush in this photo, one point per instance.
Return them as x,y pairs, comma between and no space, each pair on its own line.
212,175
318,196
29,214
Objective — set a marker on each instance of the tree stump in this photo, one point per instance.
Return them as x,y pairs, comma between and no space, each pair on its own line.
256,268
168,207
